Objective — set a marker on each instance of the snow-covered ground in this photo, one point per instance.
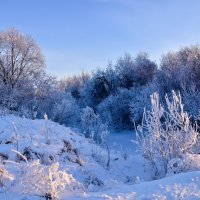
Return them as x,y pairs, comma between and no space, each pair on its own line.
96,175
123,141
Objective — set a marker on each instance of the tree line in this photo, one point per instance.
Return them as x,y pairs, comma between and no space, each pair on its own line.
113,97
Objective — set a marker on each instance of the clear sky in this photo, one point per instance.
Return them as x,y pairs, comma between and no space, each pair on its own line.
81,35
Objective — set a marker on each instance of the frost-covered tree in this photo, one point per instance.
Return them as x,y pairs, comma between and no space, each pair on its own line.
112,79
135,71
20,60
145,69
125,71
182,67
170,72
47,94
189,58
74,84
39,98
95,90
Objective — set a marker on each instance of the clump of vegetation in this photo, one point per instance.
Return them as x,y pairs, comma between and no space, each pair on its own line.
167,135
46,181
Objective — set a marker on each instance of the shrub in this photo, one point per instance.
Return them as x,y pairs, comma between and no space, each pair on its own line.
116,110
140,101
46,181
92,125
187,162
67,111
166,134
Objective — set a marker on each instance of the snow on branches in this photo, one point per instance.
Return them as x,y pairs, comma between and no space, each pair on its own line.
166,134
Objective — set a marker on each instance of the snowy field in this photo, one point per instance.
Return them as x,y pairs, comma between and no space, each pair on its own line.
89,173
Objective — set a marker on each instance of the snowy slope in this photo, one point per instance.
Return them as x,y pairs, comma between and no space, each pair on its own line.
128,176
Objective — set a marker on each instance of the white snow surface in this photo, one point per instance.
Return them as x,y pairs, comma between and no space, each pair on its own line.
128,176
123,141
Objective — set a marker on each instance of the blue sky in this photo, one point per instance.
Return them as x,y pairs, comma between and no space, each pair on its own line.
81,35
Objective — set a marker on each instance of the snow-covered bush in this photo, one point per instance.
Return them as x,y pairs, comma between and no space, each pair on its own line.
47,94
186,163
140,101
166,134
8,98
46,181
191,99
4,111
116,110
105,109
93,183
94,90
67,111
92,125
73,84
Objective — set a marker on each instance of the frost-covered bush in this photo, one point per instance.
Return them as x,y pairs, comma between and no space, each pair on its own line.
46,181
47,94
67,111
95,90
4,111
105,110
186,163
92,125
116,109
140,101
166,134
93,183
191,99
